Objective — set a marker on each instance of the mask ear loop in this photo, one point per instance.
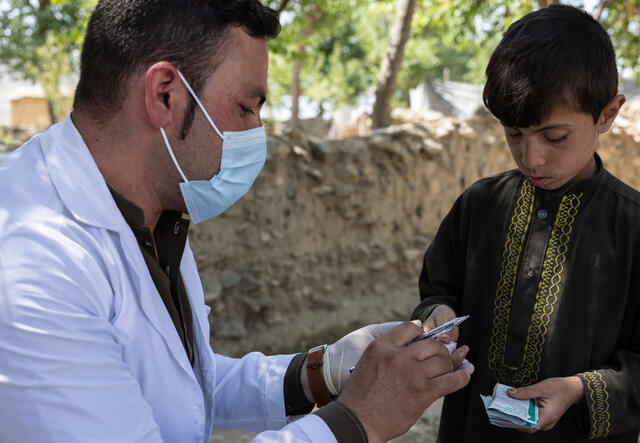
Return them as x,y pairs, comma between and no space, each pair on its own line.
173,157
204,111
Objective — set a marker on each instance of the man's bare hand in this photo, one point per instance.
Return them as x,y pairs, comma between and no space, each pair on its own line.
395,381
554,395
442,314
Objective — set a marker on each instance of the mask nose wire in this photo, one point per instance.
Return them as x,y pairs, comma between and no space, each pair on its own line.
204,111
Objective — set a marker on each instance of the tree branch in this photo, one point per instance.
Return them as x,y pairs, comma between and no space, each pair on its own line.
547,3
282,6
604,4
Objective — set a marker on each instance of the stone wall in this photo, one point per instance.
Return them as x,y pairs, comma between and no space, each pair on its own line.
332,234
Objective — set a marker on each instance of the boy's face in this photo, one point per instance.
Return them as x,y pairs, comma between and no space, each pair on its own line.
560,150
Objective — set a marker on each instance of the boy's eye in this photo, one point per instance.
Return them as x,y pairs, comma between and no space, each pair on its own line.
513,135
556,139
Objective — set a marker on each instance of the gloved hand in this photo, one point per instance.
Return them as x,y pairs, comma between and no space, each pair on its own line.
344,354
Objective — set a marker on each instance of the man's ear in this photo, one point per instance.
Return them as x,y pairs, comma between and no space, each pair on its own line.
165,95
610,112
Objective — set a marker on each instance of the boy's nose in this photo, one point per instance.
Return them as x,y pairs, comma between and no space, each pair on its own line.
532,154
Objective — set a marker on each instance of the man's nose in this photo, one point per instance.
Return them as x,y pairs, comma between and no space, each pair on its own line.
532,153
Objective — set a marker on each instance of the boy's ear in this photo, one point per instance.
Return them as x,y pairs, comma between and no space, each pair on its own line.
610,112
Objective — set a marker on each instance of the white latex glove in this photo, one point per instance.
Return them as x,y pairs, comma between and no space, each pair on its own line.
344,354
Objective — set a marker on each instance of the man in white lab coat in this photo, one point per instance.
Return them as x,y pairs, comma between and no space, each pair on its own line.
103,326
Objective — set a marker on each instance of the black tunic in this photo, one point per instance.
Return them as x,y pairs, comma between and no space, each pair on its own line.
551,280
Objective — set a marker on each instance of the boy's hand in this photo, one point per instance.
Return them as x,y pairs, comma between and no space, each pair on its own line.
554,395
441,314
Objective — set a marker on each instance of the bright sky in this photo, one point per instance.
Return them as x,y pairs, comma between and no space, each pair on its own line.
590,5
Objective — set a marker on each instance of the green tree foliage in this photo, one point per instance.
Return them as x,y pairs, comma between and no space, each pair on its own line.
622,19
344,52
40,41
336,63
339,44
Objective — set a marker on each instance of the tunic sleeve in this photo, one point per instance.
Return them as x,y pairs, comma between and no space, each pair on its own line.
443,267
612,386
612,393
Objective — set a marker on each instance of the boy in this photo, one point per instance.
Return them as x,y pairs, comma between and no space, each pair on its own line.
545,258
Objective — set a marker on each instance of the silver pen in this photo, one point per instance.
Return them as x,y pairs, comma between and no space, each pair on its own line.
444,327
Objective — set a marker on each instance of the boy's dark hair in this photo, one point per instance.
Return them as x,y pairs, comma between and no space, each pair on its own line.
552,55
124,36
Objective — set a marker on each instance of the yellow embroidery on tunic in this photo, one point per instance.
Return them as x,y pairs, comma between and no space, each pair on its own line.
548,289
506,284
546,296
599,403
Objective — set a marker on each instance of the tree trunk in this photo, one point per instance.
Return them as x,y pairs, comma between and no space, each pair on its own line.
387,79
295,91
52,112
545,3
638,75
297,68
51,86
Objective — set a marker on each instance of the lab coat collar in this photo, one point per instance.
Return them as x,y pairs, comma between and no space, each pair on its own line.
86,195
75,173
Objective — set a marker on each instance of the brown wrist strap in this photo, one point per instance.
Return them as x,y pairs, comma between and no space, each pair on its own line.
321,394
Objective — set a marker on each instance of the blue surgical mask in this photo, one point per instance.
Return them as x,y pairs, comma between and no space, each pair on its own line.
243,155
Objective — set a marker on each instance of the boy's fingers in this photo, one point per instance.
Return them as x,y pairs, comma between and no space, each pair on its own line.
443,313
429,324
524,393
451,335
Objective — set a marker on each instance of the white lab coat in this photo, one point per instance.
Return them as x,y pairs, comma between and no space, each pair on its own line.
88,352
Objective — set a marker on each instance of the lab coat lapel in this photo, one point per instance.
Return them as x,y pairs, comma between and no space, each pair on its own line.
72,167
200,310
205,362
150,300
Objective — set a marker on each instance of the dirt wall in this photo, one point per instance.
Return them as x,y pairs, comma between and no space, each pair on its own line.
332,234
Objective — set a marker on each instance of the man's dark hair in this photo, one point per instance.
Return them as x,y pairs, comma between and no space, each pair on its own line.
124,36
552,55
